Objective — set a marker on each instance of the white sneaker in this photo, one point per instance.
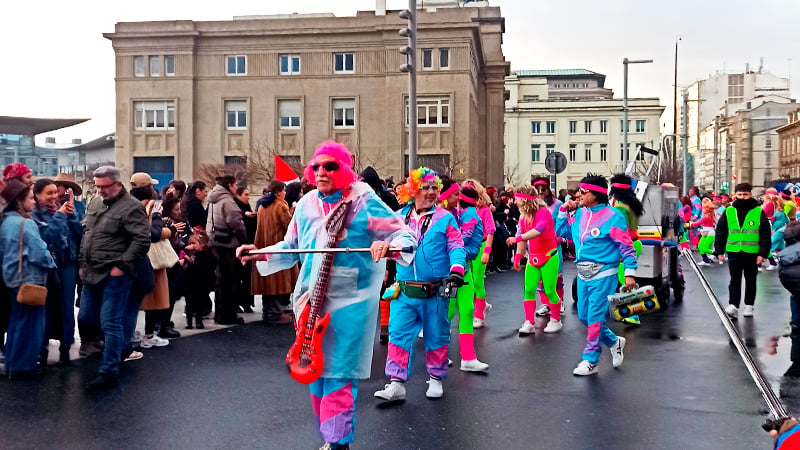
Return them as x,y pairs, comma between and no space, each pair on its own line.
449,362
543,311
420,335
616,352
703,263
771,267
554,326
747,311
720,262
395,390
732,312
473,365
477,323
585,368
435,389
153,341
527,328
563,306
137,337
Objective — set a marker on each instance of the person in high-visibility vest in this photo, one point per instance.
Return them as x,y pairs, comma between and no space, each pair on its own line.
743,233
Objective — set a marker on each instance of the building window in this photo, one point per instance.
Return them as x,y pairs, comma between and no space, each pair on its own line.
427,58
344,113
536,127
155,66
550,127
169,65
138,66
603,152
535,152
154,115
573,126
736,88
236,114
587,126
622,127
444,58
639,155
290,64
237,65
604,126
622,155
432,112
550,148
639,126
289,113
587,152
342,63
572,152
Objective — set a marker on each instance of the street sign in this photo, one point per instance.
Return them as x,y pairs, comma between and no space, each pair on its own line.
555,162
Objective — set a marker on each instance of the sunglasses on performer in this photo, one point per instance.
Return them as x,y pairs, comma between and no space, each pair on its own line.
428,188
330,166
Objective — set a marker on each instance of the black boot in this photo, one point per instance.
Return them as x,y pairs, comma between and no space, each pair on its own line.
63,357
200,325
102,382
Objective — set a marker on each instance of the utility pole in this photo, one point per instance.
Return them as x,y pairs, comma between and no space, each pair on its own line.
625,126
675,106
410,51
685,141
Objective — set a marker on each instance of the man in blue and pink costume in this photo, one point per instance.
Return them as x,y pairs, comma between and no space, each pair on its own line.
355,280
601,238
440,259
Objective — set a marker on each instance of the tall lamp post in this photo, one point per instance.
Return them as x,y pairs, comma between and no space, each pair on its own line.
625,127
409,67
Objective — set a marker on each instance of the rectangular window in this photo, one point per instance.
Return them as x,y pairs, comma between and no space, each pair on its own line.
603,152
587,152
622,129
289,113
587,126
604,126
551,127
639,155
236,114
536,127
427,58
138,66
640,126
622,155
432,112
344,112
573,126
290,64
444,58
535,152
550,148
154,115
572,152
237,65
155,66
169,65
736,88
342,63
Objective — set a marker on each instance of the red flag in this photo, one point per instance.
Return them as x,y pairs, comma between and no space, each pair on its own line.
283,172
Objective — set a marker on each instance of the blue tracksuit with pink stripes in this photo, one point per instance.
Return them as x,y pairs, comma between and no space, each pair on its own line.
601,239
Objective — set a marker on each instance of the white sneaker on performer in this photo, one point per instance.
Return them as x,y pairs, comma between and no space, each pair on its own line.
554,326
771,267
543,311
703,263
395,390
527,328
616,352
732,312
474,365
477,323
585,368
747,311
435,389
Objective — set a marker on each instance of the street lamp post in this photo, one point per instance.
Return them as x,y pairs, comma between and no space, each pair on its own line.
625,127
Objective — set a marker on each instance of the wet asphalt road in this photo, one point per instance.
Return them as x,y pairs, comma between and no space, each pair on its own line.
682,385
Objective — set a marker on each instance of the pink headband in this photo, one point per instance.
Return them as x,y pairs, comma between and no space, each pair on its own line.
454,187
594,187
469,200
525,196
621,185
540,183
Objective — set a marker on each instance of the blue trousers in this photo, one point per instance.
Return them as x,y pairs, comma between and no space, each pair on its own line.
334,404
111,298
406,318
26,329
592,312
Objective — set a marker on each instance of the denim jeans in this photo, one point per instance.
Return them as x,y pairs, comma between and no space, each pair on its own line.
794,306
111,299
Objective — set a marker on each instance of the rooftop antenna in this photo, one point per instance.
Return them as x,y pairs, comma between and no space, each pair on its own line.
760,64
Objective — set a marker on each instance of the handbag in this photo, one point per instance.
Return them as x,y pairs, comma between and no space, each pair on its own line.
28,294
161,253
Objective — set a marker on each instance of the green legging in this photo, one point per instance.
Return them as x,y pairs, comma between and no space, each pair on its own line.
547,274
463,302
706,245
479,274
637,245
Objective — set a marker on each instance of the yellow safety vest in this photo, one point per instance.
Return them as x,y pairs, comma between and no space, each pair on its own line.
743,238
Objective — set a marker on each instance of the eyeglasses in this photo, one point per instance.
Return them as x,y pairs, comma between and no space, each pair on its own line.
330,166
428,188
583,191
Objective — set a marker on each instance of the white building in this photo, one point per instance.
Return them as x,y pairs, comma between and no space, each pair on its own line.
572,112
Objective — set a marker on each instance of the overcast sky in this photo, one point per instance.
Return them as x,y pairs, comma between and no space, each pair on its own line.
57,64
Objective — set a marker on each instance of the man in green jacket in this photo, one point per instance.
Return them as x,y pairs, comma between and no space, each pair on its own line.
743,233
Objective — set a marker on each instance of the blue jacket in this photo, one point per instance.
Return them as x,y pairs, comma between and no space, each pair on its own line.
61,233
471,231
440,248
36,259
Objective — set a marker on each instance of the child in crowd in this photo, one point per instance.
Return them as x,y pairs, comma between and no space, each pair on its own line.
199,265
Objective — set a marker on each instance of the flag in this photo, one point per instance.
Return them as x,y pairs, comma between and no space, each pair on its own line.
283,172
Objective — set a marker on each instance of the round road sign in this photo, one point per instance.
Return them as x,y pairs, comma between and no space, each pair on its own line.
555,162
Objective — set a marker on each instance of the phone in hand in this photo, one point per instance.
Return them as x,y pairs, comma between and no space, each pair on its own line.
71,196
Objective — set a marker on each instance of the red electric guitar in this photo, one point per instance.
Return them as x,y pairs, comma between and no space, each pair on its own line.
305,359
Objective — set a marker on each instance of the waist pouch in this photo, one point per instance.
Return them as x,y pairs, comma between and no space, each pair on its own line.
587,270
540,260
419,289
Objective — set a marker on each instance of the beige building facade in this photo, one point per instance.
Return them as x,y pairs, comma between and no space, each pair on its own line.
789,147
191,93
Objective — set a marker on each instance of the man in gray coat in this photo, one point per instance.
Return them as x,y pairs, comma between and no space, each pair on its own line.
226,230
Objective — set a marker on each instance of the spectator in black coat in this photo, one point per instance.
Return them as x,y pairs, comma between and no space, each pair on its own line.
370,176
192,204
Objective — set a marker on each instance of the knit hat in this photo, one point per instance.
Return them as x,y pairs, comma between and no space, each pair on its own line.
12,189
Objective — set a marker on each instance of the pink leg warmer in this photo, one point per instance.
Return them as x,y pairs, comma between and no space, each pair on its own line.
480,305
467,346
530,310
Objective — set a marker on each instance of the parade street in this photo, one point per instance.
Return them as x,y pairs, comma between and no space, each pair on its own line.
682,385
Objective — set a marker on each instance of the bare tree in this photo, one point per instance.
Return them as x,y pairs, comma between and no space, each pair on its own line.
512,175
254,166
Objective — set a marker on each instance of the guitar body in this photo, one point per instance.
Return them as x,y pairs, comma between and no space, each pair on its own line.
301,371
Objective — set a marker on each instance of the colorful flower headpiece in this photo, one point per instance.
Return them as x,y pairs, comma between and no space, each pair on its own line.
416,178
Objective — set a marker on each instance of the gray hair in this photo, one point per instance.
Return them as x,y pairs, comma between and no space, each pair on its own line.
108,172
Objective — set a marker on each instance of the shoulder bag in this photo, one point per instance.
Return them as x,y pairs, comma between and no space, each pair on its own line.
28,294
161,253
